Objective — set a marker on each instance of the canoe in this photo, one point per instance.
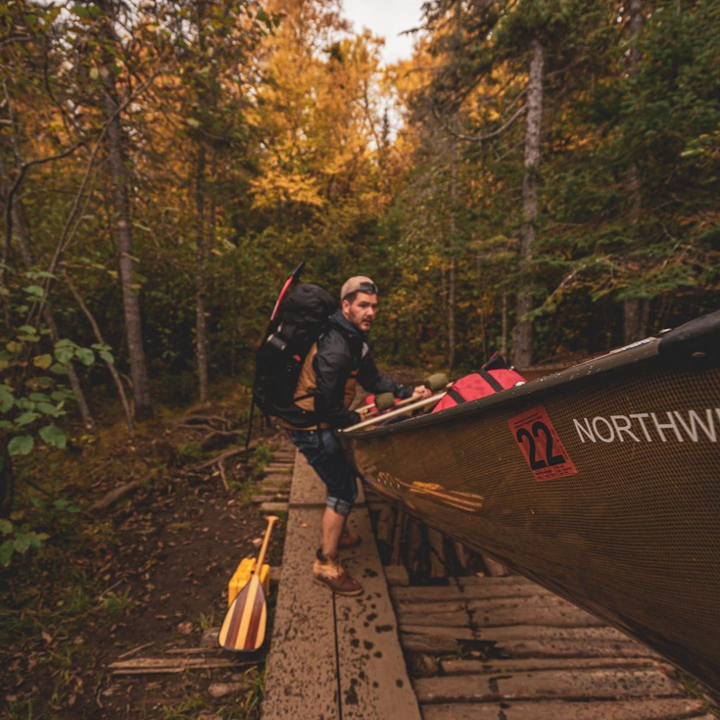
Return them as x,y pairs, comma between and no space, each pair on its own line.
600,482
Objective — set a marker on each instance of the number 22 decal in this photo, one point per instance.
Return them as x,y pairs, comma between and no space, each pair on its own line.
541,446
535,462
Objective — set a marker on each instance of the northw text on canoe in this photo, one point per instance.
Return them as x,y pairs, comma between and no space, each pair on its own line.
668,426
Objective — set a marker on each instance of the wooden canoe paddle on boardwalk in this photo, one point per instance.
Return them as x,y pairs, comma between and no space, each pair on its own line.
243,629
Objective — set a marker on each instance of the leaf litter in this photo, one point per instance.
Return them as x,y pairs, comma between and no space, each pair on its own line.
159,571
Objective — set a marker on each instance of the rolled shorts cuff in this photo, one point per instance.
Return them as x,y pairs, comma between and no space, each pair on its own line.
340,506
326,456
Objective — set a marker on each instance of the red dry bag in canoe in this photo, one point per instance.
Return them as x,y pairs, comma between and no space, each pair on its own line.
492,377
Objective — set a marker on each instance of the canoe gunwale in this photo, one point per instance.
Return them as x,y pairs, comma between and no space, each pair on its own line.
636,353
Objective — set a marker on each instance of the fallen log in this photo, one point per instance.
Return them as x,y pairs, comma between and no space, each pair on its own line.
114,495
177,664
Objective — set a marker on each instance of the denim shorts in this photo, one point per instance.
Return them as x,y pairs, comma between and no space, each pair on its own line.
325,455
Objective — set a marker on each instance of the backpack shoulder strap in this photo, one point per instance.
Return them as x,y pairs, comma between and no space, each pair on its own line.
307,380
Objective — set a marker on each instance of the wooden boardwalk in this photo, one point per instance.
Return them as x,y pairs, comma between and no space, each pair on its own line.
333,657
477,649
506,649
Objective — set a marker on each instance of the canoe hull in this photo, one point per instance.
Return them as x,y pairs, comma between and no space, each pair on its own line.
601,483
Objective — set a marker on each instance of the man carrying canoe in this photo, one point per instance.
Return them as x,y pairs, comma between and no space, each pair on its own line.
340,359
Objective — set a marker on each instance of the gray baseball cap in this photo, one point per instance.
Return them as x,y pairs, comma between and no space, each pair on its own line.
358,283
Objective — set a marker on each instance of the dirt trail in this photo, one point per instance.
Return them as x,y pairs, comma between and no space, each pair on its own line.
190,546
159,577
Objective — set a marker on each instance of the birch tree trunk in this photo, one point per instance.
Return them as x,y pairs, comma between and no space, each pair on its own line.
200,317
452,273
633,309
481,306
522,346
201,203
504,331
131,303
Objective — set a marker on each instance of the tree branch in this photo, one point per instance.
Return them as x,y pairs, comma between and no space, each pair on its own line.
66,236
24,167
99,337
482,136
17,38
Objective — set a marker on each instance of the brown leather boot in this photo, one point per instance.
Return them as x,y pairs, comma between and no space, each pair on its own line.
330,572
348,540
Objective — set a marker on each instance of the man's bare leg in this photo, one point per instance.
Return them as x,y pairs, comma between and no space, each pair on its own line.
332,527
327,568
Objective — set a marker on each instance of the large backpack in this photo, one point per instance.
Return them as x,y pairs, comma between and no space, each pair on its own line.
300,317
492,377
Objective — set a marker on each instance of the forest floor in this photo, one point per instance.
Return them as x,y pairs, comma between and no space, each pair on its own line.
145,577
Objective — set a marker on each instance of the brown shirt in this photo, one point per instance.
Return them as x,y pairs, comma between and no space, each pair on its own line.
307,385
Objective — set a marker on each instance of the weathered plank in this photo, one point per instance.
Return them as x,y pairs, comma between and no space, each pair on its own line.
301,676
494,667
308,488
435,542
487,592
538,632
544,600
671,709
263,499
272,479
422,642
330,656
413,594
449,593
495,568
385,522
273,507
551,684
459,633
442,619
273,483
171,665
503,581
529,647
433,607
518,632
374,683
552,616
396,575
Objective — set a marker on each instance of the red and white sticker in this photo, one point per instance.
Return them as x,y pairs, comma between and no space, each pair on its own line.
541,445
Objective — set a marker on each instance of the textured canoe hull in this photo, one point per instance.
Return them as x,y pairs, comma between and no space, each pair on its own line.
601,483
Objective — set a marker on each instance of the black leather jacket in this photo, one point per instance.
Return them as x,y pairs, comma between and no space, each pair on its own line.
344,351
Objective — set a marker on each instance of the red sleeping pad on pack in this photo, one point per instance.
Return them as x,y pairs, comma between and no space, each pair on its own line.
492,377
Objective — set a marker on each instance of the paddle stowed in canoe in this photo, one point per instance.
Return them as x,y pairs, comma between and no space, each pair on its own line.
243,629
387,401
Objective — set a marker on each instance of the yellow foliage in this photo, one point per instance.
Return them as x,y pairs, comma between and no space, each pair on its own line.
318,114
